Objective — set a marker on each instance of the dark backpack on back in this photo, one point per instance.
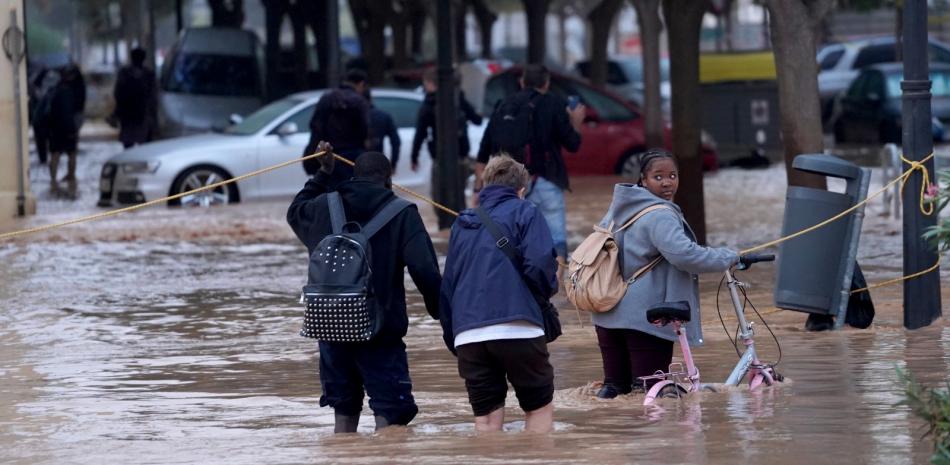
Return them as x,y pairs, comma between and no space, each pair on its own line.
513,125
341,302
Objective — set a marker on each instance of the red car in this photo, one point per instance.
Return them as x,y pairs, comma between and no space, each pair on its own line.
613,130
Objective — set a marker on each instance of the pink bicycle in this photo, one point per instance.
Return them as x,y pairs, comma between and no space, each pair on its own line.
680,380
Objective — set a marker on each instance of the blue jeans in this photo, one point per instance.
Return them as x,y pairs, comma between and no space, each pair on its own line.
549,198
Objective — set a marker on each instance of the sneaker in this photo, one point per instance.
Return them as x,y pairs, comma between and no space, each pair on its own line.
610,391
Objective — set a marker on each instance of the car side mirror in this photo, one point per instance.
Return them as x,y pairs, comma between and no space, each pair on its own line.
287,129
235,118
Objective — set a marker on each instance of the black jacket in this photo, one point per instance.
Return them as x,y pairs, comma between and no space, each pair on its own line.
425,126
381,125
552,133
402,243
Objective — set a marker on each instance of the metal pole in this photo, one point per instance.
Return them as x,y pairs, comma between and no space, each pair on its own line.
179,18
13,47
446,127
333,43
922,294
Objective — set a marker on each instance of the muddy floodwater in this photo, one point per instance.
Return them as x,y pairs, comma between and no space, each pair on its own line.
170,337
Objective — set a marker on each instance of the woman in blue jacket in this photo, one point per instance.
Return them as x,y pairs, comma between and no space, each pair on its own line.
489,316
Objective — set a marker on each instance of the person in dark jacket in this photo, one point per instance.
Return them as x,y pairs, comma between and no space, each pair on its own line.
556,127
136,101
381,126
41,94
488,314
66,114
341,117
380,365
425,132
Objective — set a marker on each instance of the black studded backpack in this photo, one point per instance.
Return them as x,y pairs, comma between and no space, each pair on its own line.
341,304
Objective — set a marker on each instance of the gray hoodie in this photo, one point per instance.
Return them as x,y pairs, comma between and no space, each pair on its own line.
674,278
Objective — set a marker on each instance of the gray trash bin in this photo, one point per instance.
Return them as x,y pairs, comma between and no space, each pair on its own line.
815,269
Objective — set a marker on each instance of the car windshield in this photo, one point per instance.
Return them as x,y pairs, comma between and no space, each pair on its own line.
260,118
939,87
634,69
210,74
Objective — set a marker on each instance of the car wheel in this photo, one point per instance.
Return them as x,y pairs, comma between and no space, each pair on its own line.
201,176
629,166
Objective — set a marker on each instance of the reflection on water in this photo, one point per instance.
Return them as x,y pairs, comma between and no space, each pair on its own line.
157,351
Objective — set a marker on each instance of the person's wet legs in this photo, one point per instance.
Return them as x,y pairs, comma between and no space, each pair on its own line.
342,385
616,362
384,367
648,354
493,421
70,167
540,420
549,198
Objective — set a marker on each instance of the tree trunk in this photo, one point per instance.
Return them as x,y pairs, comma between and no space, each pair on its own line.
314,12
227,13
370,17
273,17
683,21
301,69
648,18
601,18
899,32
418,18
794,25
536,12
486,19
459,14
399,22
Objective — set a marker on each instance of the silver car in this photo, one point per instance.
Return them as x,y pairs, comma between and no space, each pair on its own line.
276,133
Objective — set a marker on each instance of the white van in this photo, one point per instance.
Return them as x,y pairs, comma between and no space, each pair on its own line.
210,74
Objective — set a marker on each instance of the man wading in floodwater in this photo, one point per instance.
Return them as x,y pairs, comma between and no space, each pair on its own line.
378,365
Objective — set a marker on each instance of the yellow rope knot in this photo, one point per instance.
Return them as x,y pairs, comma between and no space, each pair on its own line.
927,208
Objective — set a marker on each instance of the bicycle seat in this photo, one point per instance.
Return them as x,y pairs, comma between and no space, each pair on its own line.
668,312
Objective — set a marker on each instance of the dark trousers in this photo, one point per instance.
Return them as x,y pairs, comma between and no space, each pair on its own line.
381,367
41,138
628,354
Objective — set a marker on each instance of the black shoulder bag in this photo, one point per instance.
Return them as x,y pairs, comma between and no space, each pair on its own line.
549,314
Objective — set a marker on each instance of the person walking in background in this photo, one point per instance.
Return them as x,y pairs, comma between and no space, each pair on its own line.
381,126
41,97
341,118
489,310
136,101
630,345
66,114
533,126
425,132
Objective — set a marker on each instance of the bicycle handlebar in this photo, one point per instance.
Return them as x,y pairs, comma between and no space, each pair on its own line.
746,261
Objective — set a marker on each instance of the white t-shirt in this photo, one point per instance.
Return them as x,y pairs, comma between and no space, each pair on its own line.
518,329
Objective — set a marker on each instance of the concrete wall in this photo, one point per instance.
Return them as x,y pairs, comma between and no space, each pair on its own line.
8,127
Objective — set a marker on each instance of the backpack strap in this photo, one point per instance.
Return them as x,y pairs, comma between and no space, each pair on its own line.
649,266
337,215
639,215
505,245
384,216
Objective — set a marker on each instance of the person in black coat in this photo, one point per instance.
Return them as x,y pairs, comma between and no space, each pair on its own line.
136,101
425,132
341,118
381,126
65,118
380,365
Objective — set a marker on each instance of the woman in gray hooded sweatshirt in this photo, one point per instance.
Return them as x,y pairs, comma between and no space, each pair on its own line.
629,344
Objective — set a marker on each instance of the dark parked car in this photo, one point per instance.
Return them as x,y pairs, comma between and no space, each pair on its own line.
613,129
870,110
